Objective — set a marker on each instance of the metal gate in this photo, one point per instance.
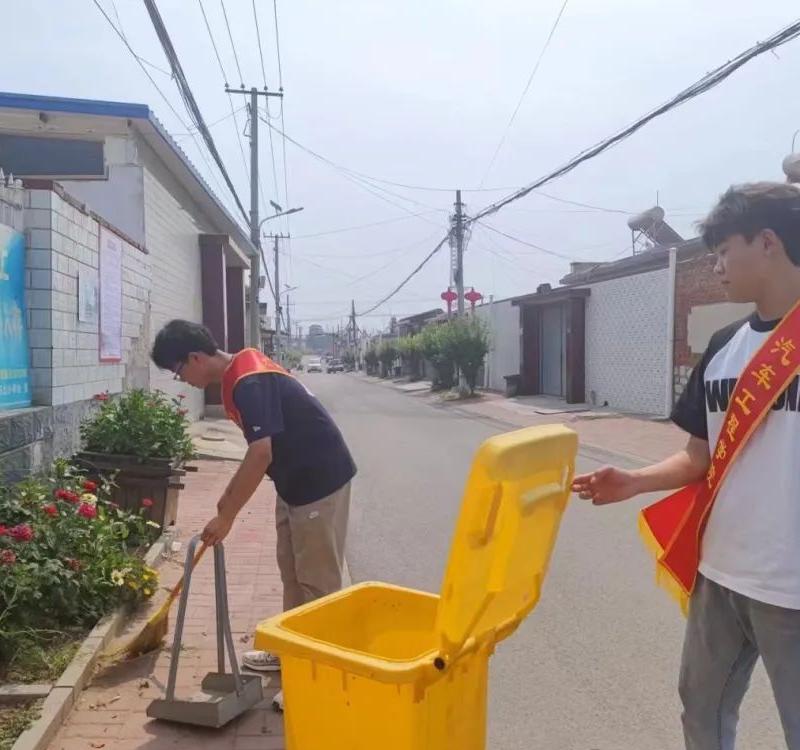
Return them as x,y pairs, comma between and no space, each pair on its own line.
552,362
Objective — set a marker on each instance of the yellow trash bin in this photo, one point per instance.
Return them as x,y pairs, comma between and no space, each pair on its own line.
379,667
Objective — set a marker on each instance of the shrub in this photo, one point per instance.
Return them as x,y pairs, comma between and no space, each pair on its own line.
67,556
387,354
465,341
139,423
431,344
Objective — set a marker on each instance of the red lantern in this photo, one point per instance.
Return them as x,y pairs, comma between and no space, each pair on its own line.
472,297
449,296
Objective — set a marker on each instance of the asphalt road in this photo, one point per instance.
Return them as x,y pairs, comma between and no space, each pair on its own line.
595,666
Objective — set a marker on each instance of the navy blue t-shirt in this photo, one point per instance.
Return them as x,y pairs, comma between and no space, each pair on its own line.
310,459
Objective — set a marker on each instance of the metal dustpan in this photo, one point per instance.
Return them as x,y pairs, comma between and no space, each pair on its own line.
223,696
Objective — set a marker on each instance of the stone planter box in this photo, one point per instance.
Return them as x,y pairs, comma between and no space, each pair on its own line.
156,478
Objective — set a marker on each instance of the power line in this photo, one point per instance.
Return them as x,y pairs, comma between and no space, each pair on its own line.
361,226
353,176
278,43
704,84
410,276
541,249
233,46
225,81
188,98
158,89
525,91
124,36
260,48
211,124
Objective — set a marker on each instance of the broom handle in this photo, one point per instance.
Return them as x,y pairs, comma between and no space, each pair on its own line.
173,595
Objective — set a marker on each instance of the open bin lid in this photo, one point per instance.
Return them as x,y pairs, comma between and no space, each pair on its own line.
514,499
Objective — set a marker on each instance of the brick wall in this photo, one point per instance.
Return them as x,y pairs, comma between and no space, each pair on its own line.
701,307
626,341
62,240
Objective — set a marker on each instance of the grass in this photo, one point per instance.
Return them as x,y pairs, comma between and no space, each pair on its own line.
40,658
14,720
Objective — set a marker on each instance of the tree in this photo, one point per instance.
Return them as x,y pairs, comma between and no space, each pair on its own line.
371,360
465,341
410,353
431,347
387,353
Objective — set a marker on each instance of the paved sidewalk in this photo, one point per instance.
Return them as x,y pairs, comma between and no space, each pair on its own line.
635,437
111,712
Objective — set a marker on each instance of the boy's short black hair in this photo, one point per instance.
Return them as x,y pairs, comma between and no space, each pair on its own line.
177,340
748,209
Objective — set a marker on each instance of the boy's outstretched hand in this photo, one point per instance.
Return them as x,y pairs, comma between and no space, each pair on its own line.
606,485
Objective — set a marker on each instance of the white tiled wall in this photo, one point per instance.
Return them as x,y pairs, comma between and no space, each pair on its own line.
626,341
62,239
503,322
172,230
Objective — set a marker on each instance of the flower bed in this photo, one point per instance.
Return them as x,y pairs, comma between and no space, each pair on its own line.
68,556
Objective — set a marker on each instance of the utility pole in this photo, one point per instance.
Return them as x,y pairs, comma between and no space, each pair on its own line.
353,322
276,283
255,261
288,320
459,230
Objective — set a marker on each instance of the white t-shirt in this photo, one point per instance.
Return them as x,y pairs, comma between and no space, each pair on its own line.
751,544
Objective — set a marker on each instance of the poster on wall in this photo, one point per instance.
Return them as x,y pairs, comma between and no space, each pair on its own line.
110,296
15,390
88,296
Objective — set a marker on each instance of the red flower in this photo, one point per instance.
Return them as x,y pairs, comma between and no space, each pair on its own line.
87,511
90,486
22,533
101,396
147,503
67,496
50,509
3,530
73,563
183,412
181,396
7,557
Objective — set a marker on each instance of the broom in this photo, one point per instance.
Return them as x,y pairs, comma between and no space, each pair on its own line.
155,630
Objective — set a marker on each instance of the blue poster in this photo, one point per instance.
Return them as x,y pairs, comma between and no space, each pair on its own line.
15,389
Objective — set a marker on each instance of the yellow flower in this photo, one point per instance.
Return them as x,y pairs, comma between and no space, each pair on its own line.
117,577
88,497
148,592
153,524
133,585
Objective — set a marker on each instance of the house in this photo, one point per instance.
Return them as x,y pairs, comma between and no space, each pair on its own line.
116,218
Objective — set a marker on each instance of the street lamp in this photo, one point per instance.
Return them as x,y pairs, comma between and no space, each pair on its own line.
280,212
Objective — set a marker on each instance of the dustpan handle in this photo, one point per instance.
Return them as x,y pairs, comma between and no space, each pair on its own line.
188,567
224,635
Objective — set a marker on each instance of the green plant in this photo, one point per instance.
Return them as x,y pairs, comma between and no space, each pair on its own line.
371,360
293,359
432,347
411,354
67,557
465,341
349,360
387,354
139,423
15,719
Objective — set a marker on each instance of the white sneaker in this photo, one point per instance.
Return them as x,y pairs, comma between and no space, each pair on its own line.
261,661
277,701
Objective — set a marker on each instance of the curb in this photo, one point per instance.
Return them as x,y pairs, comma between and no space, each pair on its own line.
588,450
74,679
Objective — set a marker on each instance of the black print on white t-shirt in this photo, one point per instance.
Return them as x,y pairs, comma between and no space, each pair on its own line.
718,393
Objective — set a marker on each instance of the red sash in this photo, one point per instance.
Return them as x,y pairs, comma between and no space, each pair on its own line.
246,362
673,528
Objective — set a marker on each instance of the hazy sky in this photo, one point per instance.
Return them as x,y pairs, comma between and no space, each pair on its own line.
420,92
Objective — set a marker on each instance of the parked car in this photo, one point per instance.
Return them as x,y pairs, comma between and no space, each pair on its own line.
314,365
335,365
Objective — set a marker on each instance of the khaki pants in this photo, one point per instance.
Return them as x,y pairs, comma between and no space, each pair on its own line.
310,546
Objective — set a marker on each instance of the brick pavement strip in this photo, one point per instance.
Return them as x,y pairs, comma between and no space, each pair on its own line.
110,713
